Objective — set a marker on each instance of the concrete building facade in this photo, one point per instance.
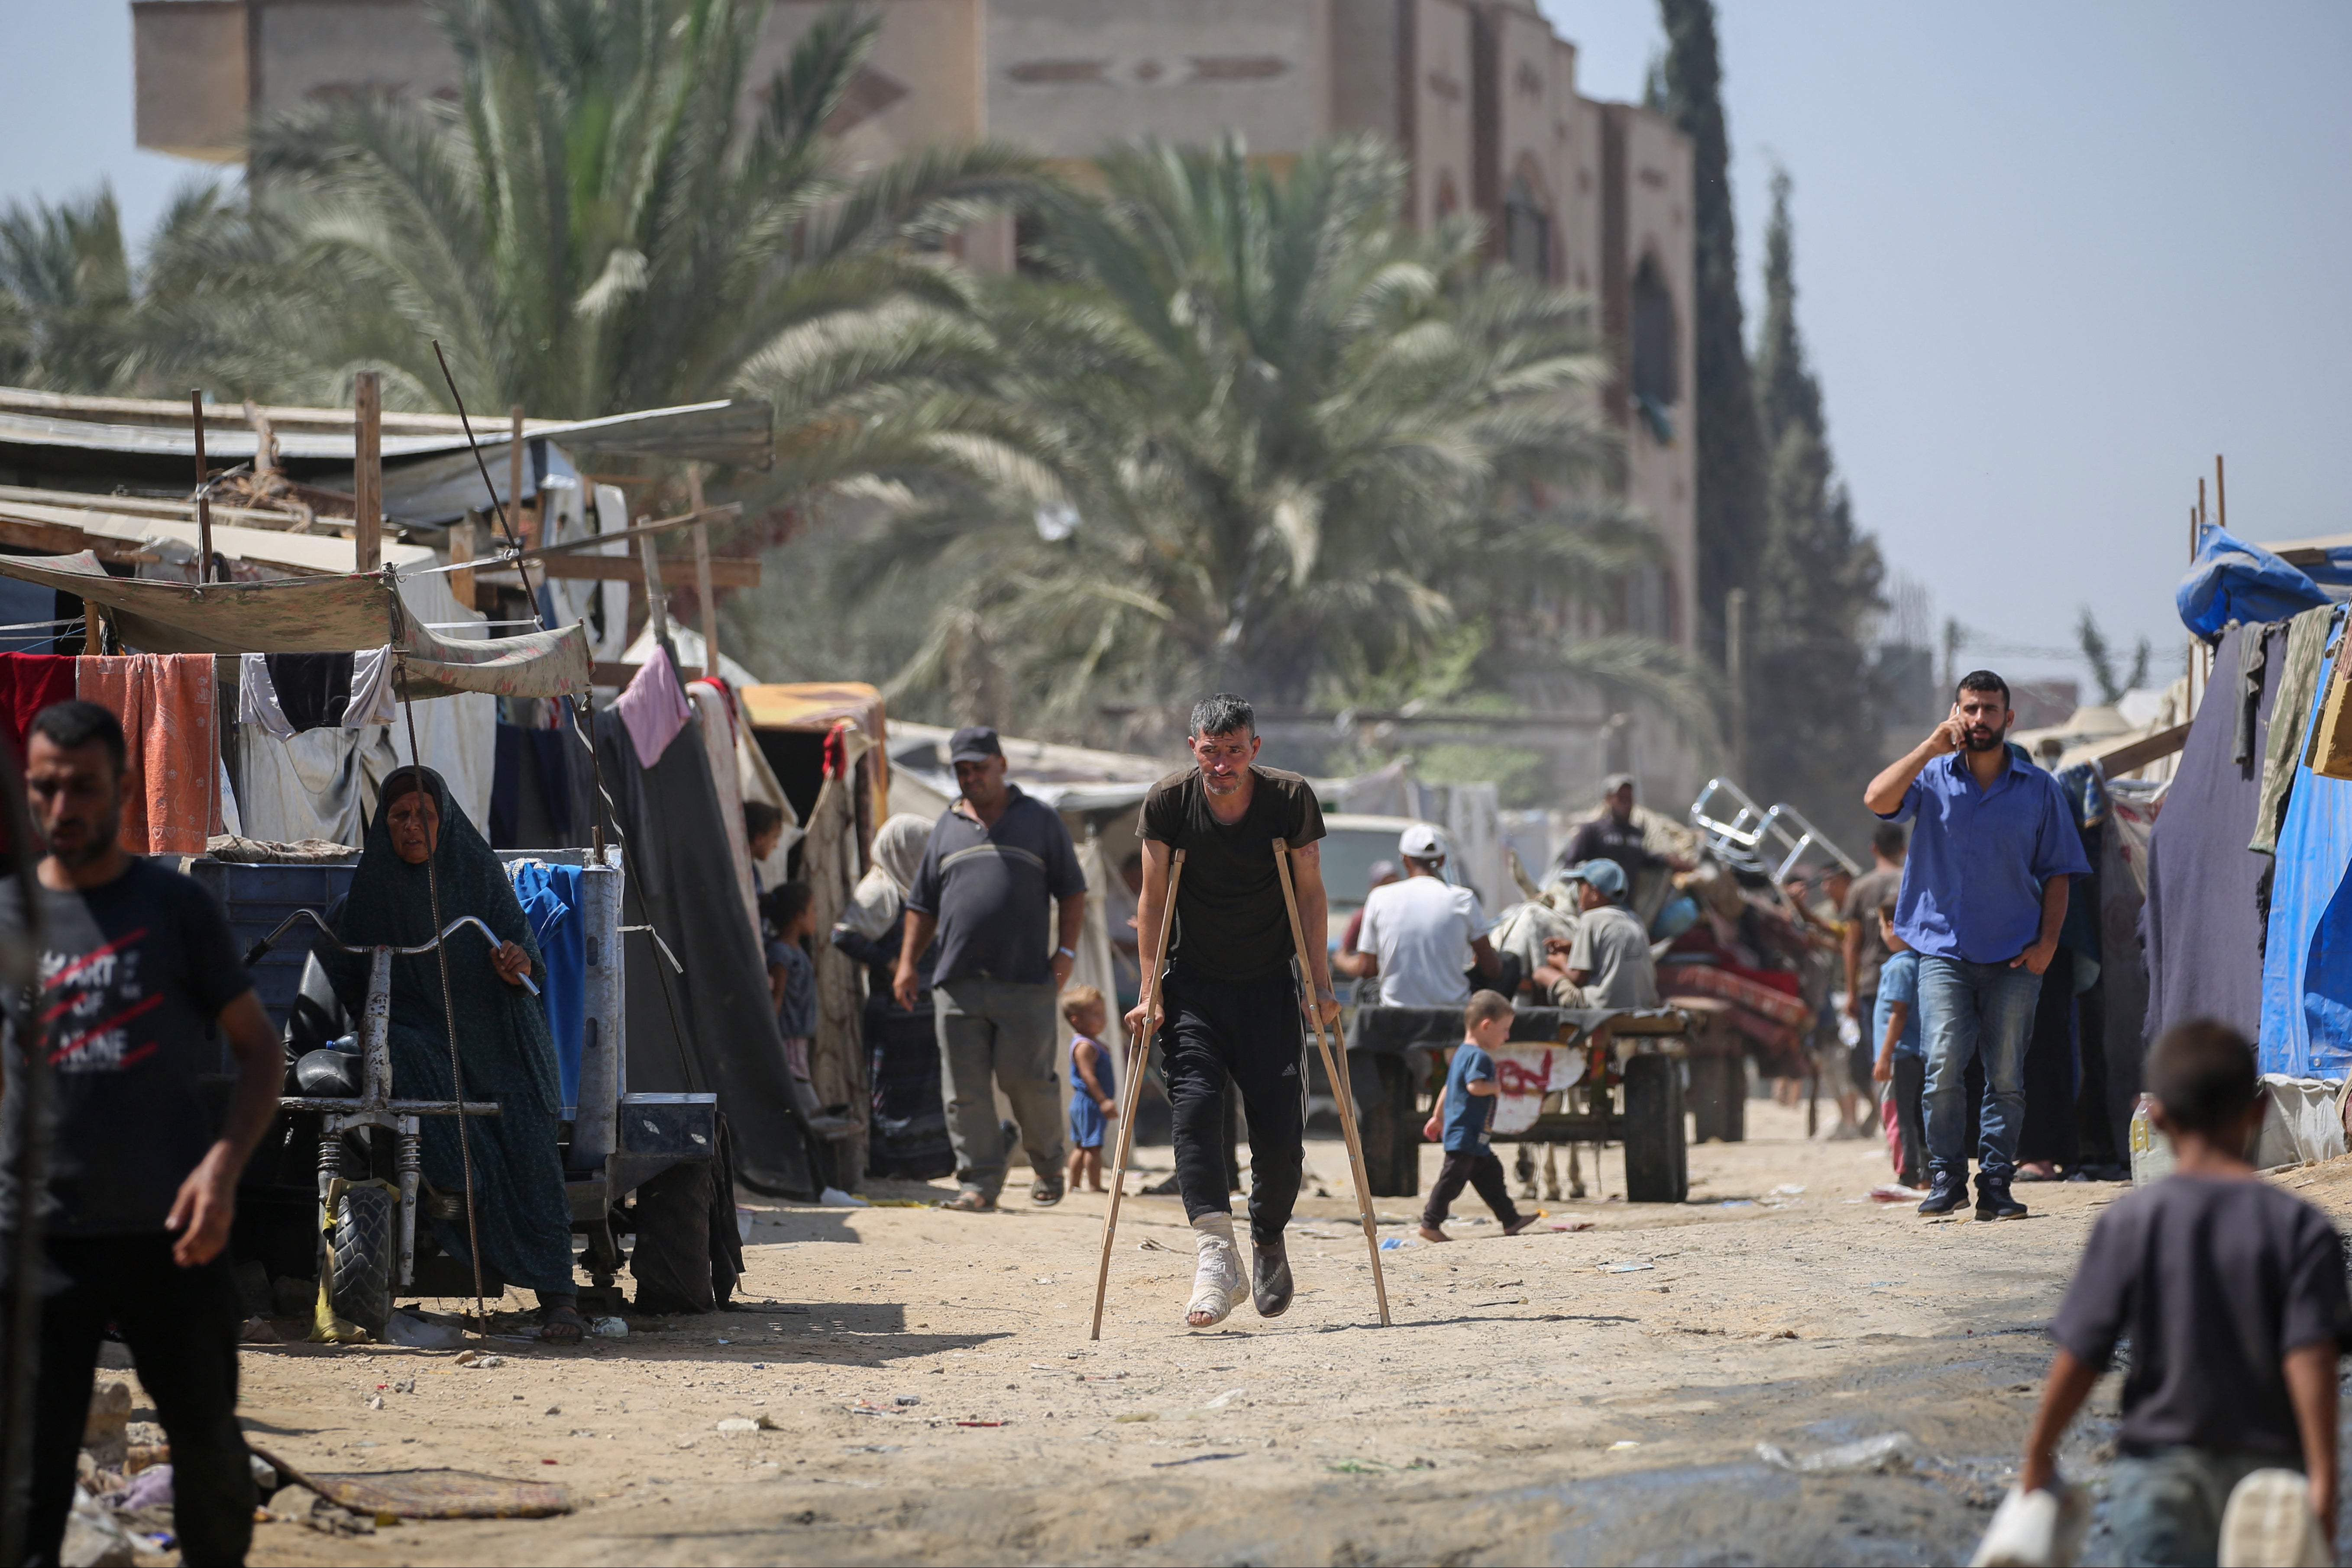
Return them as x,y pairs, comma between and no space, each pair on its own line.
1481,95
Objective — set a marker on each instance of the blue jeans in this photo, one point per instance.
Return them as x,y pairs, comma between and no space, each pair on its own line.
1966,1010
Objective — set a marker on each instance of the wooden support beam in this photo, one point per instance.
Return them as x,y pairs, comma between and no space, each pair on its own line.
514,479
2132,756
705,602
461,548
367,473
656,602
204,494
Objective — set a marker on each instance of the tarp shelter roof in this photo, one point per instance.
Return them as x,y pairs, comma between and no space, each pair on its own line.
66,522
814,705
341,613
734,431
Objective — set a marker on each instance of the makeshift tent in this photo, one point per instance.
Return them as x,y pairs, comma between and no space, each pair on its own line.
2306,1024
2234,581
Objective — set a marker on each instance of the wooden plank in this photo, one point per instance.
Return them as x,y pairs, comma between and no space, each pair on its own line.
514,477
706,601
2308,552
65,540
726,571
656,601
658,525
461,548
367,474
2138,753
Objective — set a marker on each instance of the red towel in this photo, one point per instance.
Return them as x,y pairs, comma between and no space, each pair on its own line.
28,683
167,705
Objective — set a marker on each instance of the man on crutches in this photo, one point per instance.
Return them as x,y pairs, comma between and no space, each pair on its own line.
1227,1002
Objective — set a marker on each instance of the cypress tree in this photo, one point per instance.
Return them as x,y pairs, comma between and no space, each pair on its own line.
1812,729
1730,500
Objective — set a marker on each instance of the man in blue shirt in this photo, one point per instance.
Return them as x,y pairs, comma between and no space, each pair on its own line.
1984,894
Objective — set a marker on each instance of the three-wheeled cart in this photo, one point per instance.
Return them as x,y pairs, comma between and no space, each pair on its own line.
356,1154
1622,1077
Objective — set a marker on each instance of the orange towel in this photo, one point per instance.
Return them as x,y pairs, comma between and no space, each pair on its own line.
167,705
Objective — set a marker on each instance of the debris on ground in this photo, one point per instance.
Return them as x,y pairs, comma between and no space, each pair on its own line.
1886,1451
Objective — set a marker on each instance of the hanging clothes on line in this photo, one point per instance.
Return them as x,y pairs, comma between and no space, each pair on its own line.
166,703
28,683
289,693
653,707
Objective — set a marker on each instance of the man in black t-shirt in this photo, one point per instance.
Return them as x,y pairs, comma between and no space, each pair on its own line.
136,970
1231,1006
1614,835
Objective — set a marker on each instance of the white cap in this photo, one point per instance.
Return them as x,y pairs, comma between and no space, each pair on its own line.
1421,842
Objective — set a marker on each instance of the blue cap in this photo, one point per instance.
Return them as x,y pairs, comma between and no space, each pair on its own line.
1603,876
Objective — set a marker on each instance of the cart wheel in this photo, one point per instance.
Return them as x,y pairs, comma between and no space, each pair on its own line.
1657,1167
367,1224
1718,1092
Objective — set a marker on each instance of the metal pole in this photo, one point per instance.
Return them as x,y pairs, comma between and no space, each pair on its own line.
203,491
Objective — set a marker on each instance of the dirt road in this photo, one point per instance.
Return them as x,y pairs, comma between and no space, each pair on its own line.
934,1397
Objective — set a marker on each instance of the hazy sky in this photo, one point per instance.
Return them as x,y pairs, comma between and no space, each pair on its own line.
2052,259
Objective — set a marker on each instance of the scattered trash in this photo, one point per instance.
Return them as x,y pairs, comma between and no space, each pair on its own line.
980,1423
1357,1466
1623,1443
1194,1460
476,1359
1625,1268
259,1331
1736,1204
743,1217
1895,1193
1886,1451
868,1407
405,1386
420,1332
1221,1401
1045,1279
1786,1190
609,1329
1572,1224
739,1424
376,1402
1882,1284
871,1449
1135,1416
150,1488
909,1399
834,1198
1395,1243
94,1537
1148,1245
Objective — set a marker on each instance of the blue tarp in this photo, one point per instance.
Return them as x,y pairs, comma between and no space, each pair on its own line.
2307,1030
2234,581
550,897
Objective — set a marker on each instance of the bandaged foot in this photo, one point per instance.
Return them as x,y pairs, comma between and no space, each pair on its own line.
1217,1281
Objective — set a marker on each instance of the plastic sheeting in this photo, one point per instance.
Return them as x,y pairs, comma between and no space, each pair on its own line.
2306,1027
2234,581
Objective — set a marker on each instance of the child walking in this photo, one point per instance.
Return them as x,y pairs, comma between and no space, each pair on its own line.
2231,1292
1902,1062
1093,1084
1466,1109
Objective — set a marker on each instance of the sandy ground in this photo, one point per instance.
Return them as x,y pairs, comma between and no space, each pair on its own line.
1527,1405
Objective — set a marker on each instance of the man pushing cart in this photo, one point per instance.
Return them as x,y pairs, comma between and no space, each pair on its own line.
1233,846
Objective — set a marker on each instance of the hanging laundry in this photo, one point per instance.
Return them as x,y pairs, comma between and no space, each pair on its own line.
289,693
654,708
166,703
28,683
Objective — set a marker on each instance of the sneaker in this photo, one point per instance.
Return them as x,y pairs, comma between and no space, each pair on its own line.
1994,1200
1949,1191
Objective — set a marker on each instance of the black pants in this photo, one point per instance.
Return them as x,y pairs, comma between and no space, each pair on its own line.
1910,1087
181,1325
1251,1030
1475,1167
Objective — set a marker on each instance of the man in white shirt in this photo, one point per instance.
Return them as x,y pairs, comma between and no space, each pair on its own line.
1420,936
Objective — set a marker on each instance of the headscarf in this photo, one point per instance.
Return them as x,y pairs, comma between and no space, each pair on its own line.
881,893
502,1029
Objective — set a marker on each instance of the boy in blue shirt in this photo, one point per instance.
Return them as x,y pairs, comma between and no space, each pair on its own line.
1902,1056
1466,1111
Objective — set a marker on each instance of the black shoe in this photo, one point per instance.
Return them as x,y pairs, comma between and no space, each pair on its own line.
1949,1191
1269,1277
1994,1201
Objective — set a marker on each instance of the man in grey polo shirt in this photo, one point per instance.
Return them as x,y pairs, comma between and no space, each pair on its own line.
994,858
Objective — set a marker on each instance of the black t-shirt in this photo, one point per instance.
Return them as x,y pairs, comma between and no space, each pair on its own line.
988,885
2215,1280
131,976
1231,921
1606,838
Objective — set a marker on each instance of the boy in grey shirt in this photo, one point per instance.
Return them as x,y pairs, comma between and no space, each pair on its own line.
1608,964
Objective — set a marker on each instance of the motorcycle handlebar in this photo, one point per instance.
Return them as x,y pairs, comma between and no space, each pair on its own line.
253,956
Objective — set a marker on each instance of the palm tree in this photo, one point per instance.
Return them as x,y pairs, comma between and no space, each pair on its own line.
594,226
1285,443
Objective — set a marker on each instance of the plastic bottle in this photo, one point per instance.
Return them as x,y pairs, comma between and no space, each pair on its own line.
2152,1158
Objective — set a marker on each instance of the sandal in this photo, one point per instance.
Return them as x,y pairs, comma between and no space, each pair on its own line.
1046,1194
561,1326
971,1200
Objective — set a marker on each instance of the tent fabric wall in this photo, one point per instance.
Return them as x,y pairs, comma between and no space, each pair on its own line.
722,1036
2201,930
2307,1030
839,1071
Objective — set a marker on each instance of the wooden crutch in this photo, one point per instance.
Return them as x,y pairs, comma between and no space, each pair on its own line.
1335,1067
1130,1088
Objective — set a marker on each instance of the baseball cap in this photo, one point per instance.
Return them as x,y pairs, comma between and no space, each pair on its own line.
1421,842
1603,876
1614,782
972,744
